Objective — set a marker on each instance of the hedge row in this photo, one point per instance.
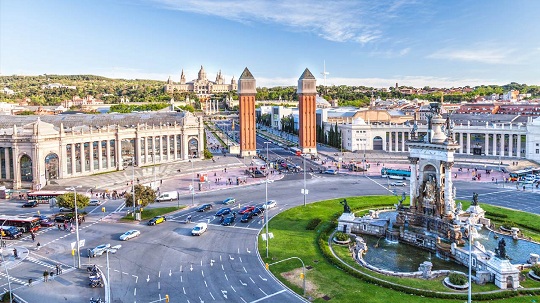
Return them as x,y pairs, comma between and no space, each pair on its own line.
323,246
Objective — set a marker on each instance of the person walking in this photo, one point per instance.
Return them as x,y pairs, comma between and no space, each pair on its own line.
33,236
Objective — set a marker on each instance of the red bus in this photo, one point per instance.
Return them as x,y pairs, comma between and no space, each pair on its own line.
24,224
44,196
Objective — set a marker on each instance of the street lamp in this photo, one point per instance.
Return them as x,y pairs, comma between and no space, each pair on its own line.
74,189
192,183
305,190
266,195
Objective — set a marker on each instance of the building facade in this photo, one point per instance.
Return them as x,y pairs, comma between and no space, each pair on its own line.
36,150
201,86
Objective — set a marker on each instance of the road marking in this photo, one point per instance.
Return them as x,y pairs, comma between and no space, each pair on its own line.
233,288
191,267
136,278
148,279
135,292
231,257
252,280
116,270
224,293
159,285
264,279
243,284
202,272
243,300
181,279
244,269
248,251
125,273
205,284
222,267
238,250
263,291
170,272
240,258
180,268
201,300
212,296
226,278
268,296
183,289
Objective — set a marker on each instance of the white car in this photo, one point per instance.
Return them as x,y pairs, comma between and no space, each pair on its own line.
199,229
130,234
94,202
99,250
269,204
398,183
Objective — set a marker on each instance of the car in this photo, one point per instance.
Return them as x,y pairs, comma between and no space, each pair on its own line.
229,220
257,211
46,223
94,202
61,219
204,207
246,209
156,220
66,210
398,183
199,229
41,217
330,172
30,204
98,250
229,201
130,234
222,212
247,217
269,204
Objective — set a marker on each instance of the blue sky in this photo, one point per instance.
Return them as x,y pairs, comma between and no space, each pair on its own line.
371,43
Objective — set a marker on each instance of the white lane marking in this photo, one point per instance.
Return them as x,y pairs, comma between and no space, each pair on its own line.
159,274
170,272
233,288
264,279
205,284
226,278
212,296
244,269
240,258
268,296
148,279
135,292
184,289
248,251
159,285
223,268
263,291
252,280
243,284
136,278
202,272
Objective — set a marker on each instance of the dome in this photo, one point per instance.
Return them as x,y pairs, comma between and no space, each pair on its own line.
359,121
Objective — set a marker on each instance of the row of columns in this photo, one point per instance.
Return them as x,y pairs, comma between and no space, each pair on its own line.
393,141
4,165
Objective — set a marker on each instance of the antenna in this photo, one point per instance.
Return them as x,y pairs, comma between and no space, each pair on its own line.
324,73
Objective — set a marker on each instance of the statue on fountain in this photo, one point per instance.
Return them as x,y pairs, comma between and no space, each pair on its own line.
346,208
500,252
474,199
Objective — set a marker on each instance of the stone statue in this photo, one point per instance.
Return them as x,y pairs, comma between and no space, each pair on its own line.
414,130
429,189
400,201
500,252
475,199
459,208
346,208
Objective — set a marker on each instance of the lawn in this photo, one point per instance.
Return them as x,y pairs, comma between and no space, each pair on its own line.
149,213
291,239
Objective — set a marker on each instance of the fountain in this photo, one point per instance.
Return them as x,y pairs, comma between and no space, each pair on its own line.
433,222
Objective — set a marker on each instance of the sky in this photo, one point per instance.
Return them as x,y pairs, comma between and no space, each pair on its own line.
361,42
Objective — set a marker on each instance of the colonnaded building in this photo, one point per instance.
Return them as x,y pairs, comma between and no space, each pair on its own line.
34,150
201,86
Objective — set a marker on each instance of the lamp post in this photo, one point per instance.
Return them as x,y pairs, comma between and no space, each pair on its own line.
3,262
266,201
305,190
74,189
192,183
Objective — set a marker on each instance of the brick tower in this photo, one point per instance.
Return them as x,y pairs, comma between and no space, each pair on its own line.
307,91
246,97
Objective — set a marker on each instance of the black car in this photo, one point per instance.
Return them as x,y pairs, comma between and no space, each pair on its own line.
204,207
61,219
30,204
223,212
229,220
247,217
257,211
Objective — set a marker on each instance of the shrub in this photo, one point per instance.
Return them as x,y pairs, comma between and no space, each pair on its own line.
457,279
509,224
536,269
313,223
495,215
340,236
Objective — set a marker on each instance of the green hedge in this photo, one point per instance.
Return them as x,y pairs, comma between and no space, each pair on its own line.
313,223
457,279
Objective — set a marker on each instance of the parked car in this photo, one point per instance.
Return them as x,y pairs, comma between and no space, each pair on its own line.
398,183
229,201
229,220
204,207
30,204
331,172
94,202
66,209
156,220
270,204
247,217
130,234
199,229
61,219
223,212
98,250
257,211
246,209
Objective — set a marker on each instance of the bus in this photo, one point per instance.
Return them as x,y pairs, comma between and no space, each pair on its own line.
44,196
24,224
399,174
520,175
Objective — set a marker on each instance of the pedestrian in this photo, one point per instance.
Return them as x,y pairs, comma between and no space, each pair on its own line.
51,274
33,236
57,269
38,246
15,254
45,276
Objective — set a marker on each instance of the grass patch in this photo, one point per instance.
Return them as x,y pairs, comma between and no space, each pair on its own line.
149,213
291,239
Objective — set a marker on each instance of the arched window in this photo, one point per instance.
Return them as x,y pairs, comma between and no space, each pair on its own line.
26,169
51,166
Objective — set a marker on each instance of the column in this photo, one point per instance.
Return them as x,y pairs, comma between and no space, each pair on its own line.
160,150
83,158
486,144
494,145
175,149
8,167
73,165
91,156
448,193
118,153
412,191
502,144
108,150
468,143
518,137
402,141
100,153
460,143
167,150
137,150
145,149
1,164
510,145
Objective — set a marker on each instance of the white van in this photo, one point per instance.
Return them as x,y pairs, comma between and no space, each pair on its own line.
167,196
199,229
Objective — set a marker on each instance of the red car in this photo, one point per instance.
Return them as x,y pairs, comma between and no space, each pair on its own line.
246,209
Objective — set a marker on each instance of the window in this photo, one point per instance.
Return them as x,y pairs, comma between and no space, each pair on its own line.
538,151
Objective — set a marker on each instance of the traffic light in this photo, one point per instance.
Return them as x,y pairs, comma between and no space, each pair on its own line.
266,265
167,298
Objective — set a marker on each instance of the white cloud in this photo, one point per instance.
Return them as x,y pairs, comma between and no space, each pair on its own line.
487,55
340,20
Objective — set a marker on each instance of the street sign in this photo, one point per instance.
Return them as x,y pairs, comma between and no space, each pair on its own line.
304,191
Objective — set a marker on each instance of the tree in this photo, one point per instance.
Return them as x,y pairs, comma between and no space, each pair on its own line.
143,194
68,200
